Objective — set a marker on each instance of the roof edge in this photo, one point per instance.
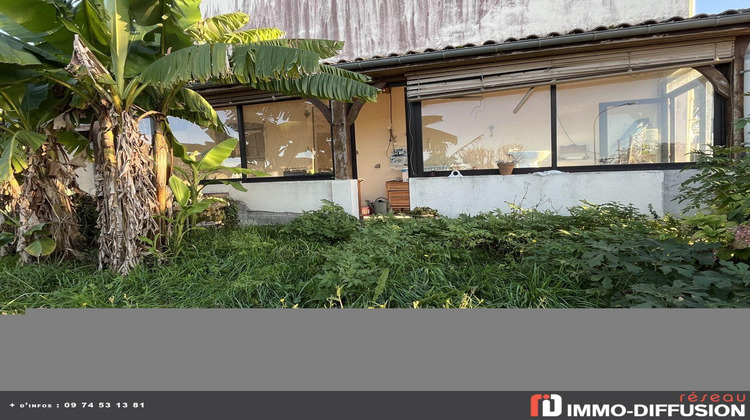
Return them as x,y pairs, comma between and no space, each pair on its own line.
702,22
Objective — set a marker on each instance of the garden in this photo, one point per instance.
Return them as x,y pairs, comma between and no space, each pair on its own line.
79,77
598,256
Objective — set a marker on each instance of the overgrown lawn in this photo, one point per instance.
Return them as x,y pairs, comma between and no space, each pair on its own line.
598,256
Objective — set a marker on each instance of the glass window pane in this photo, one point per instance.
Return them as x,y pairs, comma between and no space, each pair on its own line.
199,140
476,131
655,117
289,138
145,126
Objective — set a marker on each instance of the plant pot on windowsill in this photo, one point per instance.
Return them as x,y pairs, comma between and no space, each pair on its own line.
506,168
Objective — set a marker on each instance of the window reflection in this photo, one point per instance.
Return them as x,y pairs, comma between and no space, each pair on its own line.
200,140
289,138
657,117
475,131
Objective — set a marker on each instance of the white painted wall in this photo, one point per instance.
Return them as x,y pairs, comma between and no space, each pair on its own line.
85,178
294,196
557,192
377,27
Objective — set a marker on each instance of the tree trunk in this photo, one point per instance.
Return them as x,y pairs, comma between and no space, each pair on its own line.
45,198
10,193
125,192
162,169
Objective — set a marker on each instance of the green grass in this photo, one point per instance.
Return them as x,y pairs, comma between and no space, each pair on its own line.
597,257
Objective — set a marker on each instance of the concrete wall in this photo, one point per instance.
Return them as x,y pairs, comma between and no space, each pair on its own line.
557,192
279,202
376,27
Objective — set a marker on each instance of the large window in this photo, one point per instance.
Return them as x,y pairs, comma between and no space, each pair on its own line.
476,131
287,138
281,139
656,117
199,140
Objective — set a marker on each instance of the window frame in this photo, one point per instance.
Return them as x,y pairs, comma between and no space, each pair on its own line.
416,157
242,144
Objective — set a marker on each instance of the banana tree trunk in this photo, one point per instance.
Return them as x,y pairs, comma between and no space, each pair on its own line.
161,150
126,197
45,198
10,193
162,169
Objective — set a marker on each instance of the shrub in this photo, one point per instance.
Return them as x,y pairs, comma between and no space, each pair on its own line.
722,183
330,223
720,192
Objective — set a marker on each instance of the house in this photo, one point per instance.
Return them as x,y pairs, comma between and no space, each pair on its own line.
604,113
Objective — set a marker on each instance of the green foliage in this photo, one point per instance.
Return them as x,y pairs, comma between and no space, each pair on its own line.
185,215
722,183
423,212
231,219
330,223
39,242
720,192
599,256
14,150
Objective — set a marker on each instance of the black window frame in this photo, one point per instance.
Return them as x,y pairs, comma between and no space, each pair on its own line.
245,179
416,156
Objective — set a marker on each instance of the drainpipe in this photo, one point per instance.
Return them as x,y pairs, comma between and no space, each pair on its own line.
746,101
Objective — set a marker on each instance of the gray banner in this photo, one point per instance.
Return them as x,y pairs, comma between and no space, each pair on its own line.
382,349
40,405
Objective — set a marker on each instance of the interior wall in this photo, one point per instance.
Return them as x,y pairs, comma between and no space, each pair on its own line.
372,138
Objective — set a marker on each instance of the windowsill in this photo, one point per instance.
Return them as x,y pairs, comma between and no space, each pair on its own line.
567,169
316,177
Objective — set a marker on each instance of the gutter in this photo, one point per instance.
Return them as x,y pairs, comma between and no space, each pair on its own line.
609,34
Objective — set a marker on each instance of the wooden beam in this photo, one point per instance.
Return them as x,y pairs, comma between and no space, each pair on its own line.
720,82
323,109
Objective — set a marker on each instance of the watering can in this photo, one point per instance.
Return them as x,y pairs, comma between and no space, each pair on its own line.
381,205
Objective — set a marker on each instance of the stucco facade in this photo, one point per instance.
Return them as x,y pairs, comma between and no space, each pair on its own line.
375,27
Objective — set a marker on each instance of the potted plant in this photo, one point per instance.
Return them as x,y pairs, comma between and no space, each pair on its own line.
506,160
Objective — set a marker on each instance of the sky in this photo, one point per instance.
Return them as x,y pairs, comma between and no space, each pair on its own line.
716,6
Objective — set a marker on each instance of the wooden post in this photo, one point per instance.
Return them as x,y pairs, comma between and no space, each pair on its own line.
341,158
736,137
341,116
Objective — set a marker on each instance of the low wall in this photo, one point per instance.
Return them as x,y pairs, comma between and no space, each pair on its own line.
556,192
279,202
271,202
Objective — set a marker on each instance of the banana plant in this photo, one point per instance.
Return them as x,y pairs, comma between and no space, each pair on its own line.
199,171
36,165
117,51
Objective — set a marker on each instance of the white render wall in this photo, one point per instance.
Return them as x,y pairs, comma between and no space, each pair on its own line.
293,196
556,192
378,27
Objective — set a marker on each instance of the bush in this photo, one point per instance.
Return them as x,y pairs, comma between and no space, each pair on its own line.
330,223
722,184
720,193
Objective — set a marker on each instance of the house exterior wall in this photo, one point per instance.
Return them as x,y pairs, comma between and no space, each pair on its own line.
556,192
373,149
375,27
